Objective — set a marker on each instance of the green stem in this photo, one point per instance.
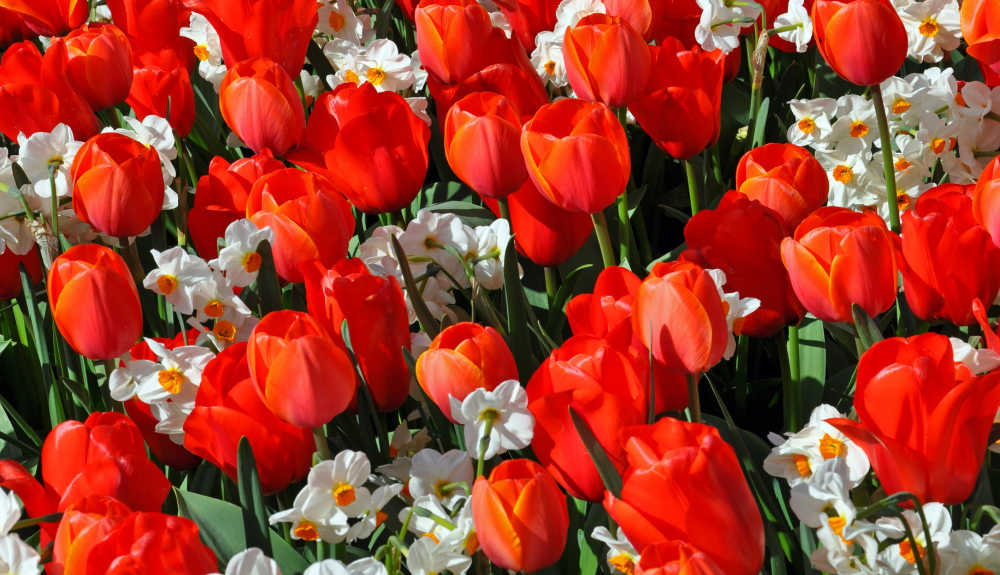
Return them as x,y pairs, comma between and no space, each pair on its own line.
692,179
484,443
603,239
624,230
551,283
694,401
887,167
793,387
322,446
504,209
55,208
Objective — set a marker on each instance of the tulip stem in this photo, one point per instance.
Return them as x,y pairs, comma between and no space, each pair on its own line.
887,165
132,259
694,401
504,209
551,283
692,178
792,386
603,239
322,446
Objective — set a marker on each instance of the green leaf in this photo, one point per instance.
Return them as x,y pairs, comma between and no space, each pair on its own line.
760,124
251,498
471,214
424,315
517,316
866,328
267,280
609,475
812,363
220,523
588,559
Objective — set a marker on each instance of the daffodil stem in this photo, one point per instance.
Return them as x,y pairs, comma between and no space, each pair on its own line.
484,443
55,208
887,167
692,179
694,401
322,446
603,239
792,386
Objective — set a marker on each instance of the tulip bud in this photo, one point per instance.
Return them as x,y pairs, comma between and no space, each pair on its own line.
94,301
520,516
606,60
482,135
99,64
864,41
258,101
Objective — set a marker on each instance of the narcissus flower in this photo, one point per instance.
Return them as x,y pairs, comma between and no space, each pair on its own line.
606,60
482,135
99,64
864,41
260,104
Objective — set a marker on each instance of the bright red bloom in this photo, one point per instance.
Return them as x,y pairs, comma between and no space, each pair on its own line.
279,30
462,358
519,84
309,218
482,142
83,525
785,178
577,154
520,516
10,271
94,301
221,198
948,259
681,104
685,483
377,323
153,30
980,20
117,184
676,558
864,41
259,102
924,421
99,64
164,92
50,17
986,199
839,257
370,144
301,374
529,17
606,60
12,28
227,408
151,544
743,239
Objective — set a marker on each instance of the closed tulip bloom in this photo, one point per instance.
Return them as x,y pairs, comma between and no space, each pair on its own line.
948,259
221,198
260,104
577,154
377,322
456,38
923,420
117,184
839,257
986,199
482,135
519,84
370,144
785,178
980,20
227,408
94,301
607,312
82,526
743,238
164,92
461,359
153,30
676,558
520,516
301,374
50,17
864,41
154,544
684,483
604,387
680,109
310,220
679,316
606,60
10,270
100,64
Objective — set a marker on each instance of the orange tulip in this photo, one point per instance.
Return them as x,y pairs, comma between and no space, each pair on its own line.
839,257
679,316
259,103
864,41
50,17
606,60
310,220
83,525
529,17
152,544
785,178
519,84
676,558
456,39
482,135
164,92
462,358
980,20
986,199
520,516
10,271
94,301
577,154
117,184
100,64
301,374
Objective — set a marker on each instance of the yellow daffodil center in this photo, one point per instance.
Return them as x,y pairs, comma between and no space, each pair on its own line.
471,544
214,308
430,535
306,530
351,76
807,125
343,492
375,76
906,550
979,570
201,52
830,447
843,174
903,200
859,129
224,330
380,518
929,27
901,164
900,105
802,465
336,20
938,145
251,262
170,380
623,563
166,284
489,414
550,68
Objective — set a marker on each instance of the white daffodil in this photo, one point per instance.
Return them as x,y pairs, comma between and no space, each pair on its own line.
338,20
828,493
969,552
500,416
239,260
428,238
214,300
17,557
344,56
42,152
812,125
839,547
622,556
737,309
365,566
721,22
311,518
208,49
569,12
425,557
901,557
419,73
384,67
547,59
124,381
796,25
252,561
847,171
170,417
374,516
179,375
979,361
177,276
341,481
427,517
796,457
855,122
440,475
932,28
488,253
312,86
10,511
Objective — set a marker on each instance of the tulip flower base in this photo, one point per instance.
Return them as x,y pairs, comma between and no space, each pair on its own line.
534,286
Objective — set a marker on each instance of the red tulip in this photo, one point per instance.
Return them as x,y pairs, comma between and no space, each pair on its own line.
743,239
519,84
370,144
377,322
50,17
676,558
10,271
482,135
684,483
227,408
980,22
153,544
681,104
606,60
462,358
279,30
221,198
986,199
785,178
603,386
164,92
12,28
94,301
839,257
577,154
864,41
310,220
520,516
301,374
153,30
679,316
924,421
100,64
117,184
260,104
83,525
529,17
